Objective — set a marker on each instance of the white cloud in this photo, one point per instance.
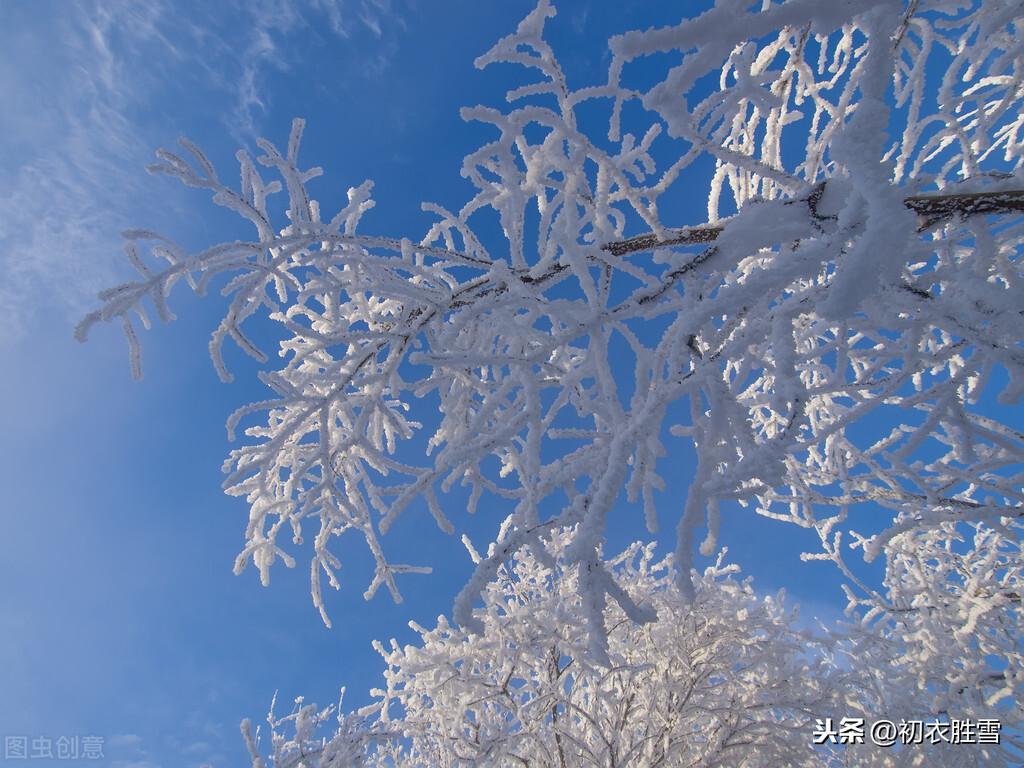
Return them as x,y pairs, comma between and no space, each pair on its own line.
125,741
87,84
272,31
126,750
71,168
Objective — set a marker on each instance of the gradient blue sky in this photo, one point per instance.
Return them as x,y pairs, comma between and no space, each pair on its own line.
119,615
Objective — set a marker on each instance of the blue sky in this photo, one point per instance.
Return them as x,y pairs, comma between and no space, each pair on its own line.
119,615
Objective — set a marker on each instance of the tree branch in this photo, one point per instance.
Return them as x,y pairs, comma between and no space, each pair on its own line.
930,208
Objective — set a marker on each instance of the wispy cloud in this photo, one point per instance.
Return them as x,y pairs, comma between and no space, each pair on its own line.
67,138
274,32
130,741
70,172
127,750
87,90
180,747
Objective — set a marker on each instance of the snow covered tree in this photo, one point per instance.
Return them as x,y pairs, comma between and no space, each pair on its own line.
857,264
724,680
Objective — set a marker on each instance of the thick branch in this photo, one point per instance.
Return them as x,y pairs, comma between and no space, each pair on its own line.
935,208
706,233
930,208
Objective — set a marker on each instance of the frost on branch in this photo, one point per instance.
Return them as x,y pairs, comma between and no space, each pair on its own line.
860,264
724,680
950,619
